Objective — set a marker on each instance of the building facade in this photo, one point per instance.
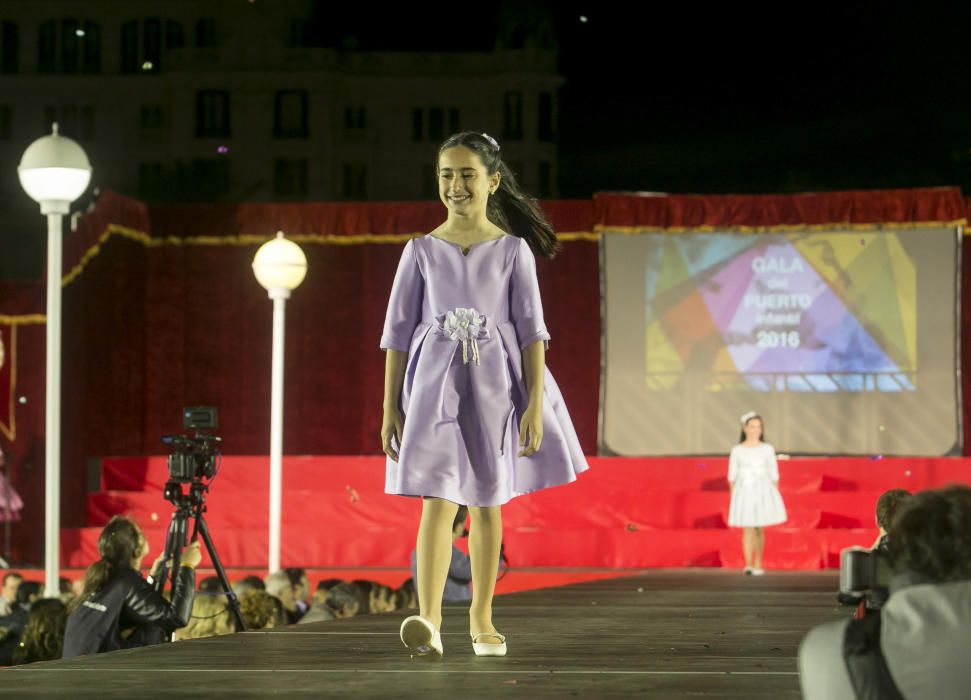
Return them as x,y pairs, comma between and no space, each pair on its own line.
231,100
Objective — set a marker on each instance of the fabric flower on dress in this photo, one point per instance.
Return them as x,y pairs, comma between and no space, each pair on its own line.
466,326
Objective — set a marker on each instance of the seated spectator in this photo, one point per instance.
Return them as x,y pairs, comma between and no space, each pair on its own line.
344,600
458,585
301,589
318,612
258,610
406,596
248,585
66,589
43,637
323,588
11,582
382,599
278,585
211,617
254,582
917,646
118,608
211,585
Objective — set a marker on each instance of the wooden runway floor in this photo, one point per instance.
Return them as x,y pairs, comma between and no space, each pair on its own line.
698,633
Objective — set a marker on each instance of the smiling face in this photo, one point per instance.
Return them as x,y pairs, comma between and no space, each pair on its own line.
753,429
464,184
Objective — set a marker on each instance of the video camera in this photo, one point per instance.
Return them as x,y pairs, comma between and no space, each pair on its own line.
194,457
863,571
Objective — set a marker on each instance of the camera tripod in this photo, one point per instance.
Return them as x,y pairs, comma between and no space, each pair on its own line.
192,505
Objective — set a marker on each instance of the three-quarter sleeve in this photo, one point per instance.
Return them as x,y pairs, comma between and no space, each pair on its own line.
525,305
404,306
733,465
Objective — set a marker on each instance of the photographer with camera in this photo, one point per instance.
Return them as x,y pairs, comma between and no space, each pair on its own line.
118,609
916,647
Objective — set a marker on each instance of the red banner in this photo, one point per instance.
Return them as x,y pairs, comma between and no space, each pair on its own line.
8,378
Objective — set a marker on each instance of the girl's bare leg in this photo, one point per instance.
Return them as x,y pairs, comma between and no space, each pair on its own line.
748,544
759,546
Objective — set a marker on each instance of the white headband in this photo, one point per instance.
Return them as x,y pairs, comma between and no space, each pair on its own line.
746,417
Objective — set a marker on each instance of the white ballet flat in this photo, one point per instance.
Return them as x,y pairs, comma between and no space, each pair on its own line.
758,572
421,637
482,649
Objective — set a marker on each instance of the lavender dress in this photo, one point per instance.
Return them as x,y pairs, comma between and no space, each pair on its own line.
464,392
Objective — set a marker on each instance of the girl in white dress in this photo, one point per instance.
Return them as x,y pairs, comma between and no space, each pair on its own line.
753,477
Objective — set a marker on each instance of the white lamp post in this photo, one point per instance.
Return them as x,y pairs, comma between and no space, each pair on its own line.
279,266
54,171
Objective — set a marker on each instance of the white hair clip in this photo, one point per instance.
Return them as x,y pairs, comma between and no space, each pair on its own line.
495,144
746,417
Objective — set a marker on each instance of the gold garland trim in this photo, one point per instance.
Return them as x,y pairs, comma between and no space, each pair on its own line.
779,228
148,241
25,320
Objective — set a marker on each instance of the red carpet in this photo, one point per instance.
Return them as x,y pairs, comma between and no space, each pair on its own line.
624,513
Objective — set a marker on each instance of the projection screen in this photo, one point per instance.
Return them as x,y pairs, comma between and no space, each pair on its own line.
845,341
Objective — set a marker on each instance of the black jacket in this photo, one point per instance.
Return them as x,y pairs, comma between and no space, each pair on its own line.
128,602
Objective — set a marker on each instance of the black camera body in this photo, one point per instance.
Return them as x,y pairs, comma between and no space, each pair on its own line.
194,457
863,571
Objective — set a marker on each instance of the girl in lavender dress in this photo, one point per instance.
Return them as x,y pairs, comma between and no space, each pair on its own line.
753,477
468,400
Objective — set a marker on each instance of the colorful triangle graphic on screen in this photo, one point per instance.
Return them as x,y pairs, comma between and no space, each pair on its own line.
778,315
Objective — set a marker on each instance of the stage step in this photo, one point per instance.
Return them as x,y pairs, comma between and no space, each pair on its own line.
623,513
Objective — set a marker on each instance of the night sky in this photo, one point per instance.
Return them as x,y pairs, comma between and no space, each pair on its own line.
805,96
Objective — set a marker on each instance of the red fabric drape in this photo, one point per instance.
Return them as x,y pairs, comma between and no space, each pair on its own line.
150,329
940,204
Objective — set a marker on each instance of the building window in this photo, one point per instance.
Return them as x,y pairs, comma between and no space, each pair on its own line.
69,45
91,45
436,124
174,35
6,122
212,113
152,58
453,120
9,48
417,124
204,179
206,32
290,177
355,118
355,181
512,116
299,33
47,47
151,116
545,179
545,132
290,115
129,47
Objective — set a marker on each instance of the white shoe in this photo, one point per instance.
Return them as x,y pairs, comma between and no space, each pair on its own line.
421,637
758,572
482,649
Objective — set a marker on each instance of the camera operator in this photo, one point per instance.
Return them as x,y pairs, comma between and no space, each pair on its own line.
916,647
118,609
